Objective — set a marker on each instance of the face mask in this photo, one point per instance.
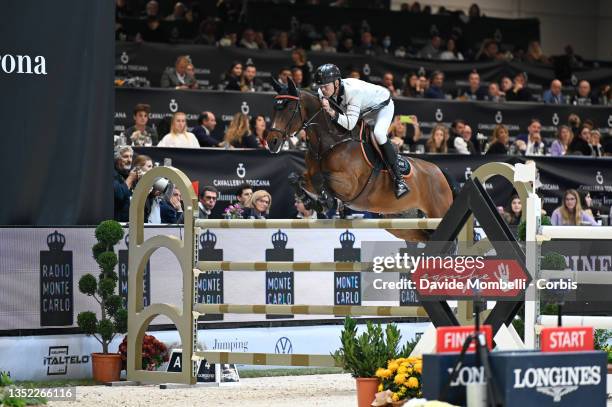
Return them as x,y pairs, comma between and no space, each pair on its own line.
386,43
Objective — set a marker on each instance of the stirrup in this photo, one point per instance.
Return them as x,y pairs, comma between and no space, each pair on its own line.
401,188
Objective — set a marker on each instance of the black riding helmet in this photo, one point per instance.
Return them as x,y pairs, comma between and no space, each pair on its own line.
326,74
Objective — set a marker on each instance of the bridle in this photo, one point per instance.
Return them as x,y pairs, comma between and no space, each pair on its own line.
297,111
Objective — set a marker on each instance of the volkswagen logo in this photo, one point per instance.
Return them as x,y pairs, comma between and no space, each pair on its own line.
283,346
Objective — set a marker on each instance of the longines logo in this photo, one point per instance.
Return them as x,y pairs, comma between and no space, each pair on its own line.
23,64
58,360
556,382
283,346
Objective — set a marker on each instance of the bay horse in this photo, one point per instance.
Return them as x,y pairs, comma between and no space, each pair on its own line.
336,164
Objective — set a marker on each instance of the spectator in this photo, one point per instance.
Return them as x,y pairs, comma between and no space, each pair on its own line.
535,54
297,76
178,13
124,181
177,77
233,76
207,33
140,134
474,91
152,208
298,56
505,85
397,132
583,94
570,212
494,94
435,90
171,209
303,213
151,9
415,8
243,194
588,207
512,215
347,46
465,147
190,72
519,92
238,134
354,73
179,136
488,51
208,199
431,50
203,131
535,145
249,82
142,164
456,131
474,12
367,47
153,32
284,74
248,39
410,88
281,41
260,41
581,143
230,39
258,124
499,141
387,82
560,145
573,121
437,143
553,95
451,53
386,45
595,142
258,206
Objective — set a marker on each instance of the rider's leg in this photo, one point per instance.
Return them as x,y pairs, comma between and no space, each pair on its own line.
383,120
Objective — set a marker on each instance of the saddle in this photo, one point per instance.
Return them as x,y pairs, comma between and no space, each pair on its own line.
371,151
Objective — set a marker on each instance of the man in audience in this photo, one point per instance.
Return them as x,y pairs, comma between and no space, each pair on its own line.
249,82
583,94
243,194
208,200
466,135
171,210
140,134
474,90
431,50
388,83
124,181
456,132
248,39
177,77
435,90
203,131
298,76
553,95
367,46
494,94
519,92
533,145
284,74
152,9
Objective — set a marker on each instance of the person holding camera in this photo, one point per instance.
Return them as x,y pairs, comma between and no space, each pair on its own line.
124,181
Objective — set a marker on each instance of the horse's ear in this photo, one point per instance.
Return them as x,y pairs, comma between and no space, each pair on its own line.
293,90
278,87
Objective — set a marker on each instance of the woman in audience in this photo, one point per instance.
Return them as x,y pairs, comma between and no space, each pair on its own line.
142,163
499,141
564,138
570,212
298,56
179,136
438,140
581,144
303,213
258,206
512,215
451,53
258,124
233,75
595,142
397,132
238,133
410,87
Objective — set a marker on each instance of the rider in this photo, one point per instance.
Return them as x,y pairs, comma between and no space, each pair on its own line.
357,98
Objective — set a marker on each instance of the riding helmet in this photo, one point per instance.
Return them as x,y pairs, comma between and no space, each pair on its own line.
326,73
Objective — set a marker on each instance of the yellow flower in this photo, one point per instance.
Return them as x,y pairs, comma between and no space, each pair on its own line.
380,387
418,368
393,365
395,397
413,382
380,372
402,370
402,390
399,379
412,360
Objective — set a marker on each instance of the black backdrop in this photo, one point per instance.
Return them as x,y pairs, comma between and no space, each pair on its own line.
56,166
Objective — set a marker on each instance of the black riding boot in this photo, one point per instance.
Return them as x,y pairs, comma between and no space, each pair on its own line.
390,155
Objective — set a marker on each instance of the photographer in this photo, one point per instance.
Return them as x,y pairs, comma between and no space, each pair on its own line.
154,199
124,180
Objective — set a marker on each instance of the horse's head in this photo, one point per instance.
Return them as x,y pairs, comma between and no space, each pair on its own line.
287,115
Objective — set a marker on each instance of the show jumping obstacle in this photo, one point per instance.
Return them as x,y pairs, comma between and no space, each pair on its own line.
185,317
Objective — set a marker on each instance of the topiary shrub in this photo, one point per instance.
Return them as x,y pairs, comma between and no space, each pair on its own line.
113,316
522,227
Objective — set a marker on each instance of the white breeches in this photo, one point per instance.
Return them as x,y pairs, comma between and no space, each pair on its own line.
383,121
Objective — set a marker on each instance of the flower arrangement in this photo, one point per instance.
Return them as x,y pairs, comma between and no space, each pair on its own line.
154,352
233,212
399,381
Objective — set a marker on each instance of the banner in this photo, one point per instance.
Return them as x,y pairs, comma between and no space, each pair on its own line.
481,116
56,105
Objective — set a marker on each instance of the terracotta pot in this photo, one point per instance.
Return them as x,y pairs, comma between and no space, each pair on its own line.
366,390
106,367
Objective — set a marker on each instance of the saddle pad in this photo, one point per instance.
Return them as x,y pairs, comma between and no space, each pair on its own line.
372,155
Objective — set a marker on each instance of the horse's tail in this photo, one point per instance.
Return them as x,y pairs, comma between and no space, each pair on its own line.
451,182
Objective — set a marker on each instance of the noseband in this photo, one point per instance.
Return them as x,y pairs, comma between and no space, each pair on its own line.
296,111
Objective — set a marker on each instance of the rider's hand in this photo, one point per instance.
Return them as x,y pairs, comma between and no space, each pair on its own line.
327,108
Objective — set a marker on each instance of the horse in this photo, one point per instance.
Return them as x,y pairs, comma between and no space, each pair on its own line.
337,165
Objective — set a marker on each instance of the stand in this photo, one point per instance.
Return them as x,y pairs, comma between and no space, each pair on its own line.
482,359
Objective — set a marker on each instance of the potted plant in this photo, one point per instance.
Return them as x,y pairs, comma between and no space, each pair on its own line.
106,366
362,355
154,352
400,380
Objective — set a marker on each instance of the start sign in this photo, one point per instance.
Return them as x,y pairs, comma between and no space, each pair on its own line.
567,339
451,338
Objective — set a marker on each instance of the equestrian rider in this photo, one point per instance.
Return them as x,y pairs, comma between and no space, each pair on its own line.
358,98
